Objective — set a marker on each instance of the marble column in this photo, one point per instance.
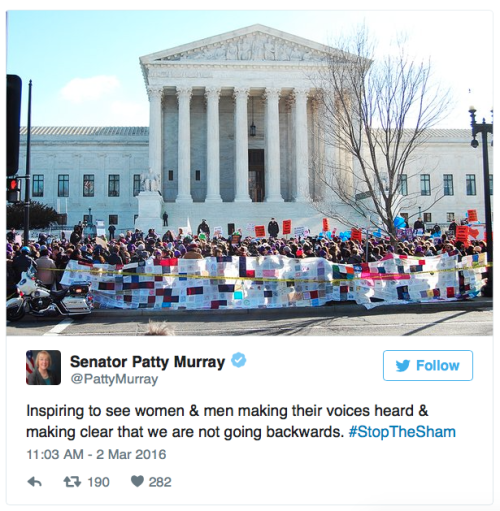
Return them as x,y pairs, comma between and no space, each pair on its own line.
241,144
184,145
212,95
301,146
155,95
272,144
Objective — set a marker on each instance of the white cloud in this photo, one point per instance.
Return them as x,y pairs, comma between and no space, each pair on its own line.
128,113
79,90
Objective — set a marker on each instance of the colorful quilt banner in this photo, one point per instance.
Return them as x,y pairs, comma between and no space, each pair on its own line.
277,281
406,279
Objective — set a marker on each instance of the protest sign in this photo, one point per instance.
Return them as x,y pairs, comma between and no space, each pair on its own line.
356,234
100,231
250,228
260,231
477,232
463,234
287,227
299,232
472,214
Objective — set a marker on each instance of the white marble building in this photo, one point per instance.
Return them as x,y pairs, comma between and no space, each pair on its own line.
231,139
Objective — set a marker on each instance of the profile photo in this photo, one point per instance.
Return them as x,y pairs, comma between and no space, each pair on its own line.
43,367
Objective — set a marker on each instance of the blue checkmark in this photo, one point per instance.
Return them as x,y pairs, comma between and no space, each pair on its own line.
238,360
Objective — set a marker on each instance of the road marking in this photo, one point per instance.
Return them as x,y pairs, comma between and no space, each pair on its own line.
60,327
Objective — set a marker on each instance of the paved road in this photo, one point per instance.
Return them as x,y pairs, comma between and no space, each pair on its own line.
451,319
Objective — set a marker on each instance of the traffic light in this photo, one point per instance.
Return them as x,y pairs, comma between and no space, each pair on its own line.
13,190
13,117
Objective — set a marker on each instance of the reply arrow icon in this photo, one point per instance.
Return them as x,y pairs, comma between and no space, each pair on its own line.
33,481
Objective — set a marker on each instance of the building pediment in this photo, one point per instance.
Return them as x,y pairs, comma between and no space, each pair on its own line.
256,43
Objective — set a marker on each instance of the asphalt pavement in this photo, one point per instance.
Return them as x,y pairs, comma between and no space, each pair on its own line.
460,318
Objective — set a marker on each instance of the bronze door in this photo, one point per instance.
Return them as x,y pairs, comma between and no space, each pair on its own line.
256,178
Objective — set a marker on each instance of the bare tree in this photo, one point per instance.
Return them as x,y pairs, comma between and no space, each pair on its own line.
374,115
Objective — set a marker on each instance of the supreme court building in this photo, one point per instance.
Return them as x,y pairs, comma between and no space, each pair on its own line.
232,137
231,124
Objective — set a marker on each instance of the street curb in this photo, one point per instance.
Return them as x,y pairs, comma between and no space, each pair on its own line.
335,309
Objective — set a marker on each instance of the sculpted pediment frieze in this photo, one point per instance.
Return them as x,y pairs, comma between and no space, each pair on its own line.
255,47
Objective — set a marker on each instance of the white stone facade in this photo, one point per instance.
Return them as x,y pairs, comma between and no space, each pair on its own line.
63,158
454,168
203,98
198,159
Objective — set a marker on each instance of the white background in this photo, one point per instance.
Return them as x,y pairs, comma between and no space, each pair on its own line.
280,372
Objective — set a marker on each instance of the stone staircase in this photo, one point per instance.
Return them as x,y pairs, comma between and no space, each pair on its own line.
238,215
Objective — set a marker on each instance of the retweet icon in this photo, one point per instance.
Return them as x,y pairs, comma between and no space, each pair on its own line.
402,366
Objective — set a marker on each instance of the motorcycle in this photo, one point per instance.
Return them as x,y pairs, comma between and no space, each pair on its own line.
37,300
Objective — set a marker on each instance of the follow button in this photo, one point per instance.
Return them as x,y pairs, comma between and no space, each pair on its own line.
428,365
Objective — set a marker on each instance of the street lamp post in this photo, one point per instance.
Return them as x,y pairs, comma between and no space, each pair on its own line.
484,128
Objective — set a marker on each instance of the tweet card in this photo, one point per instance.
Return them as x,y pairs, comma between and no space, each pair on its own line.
293,422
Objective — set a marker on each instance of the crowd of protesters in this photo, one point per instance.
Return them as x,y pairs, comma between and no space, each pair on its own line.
50,256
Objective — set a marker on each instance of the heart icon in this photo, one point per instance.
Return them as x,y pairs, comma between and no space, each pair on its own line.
137,480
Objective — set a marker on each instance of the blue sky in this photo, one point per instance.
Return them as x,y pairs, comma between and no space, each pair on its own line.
84,64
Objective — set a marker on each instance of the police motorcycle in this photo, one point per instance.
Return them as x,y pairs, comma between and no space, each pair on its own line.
35,299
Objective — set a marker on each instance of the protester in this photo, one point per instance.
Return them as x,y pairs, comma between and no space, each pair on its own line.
436,229
114,257
76,235
419,225
11,276
168,237
134,247
453,227
11,235
204,228
46,268
273,228
22,262
193,252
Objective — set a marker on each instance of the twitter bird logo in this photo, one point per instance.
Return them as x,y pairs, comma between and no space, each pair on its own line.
402,366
